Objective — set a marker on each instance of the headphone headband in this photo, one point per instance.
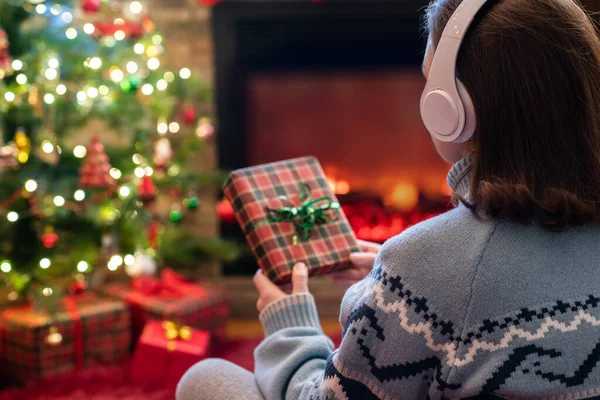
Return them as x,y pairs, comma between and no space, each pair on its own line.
446,113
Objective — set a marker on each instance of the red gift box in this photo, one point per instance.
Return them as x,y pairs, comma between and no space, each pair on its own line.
172,298
165,351
87,331
289,214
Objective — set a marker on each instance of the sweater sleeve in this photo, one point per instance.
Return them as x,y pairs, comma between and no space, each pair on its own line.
401,325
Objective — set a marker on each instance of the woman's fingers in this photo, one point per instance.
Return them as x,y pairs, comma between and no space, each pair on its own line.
369,247
363,260
300,278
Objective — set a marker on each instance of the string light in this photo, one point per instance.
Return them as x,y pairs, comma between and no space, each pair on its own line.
115,173
67,17
53,63
12,216
47,292
119,21
153,63
17,65
94,63
124,191
115,262
59,201
157,39
109,41
55,9
48,98
119,35
139,172
135,7
129,259
31,185
147,89
47,147
162,128
82,266
79,151
81,96
41,8
71,33
139,48
92,92
89,28
21,79
169,76
5,266
137,158
161,84
132,67
9,96
103,90
148,171
174,127
185,73
51,74
116,74
79,195
61,89
45,263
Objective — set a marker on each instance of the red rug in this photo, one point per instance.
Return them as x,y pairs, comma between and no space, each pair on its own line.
112,383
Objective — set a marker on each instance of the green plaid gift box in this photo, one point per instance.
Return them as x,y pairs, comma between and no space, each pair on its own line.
89,331
289,215
204,307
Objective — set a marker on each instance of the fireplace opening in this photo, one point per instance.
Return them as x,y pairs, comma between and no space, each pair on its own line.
341,81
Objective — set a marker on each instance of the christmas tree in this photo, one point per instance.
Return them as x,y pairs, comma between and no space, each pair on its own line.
94,133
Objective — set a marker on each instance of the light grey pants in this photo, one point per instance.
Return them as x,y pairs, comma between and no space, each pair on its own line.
215,379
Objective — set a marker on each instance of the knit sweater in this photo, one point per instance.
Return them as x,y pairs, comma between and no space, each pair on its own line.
455,307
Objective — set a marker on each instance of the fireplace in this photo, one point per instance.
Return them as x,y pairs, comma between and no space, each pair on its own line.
340,80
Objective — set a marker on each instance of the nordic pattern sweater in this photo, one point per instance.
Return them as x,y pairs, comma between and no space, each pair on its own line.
455,307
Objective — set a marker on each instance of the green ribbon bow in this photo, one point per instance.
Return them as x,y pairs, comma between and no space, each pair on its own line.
305,217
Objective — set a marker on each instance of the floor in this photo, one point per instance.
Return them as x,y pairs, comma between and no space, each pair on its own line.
245,328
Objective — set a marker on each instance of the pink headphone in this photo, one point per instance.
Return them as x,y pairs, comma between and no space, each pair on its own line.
446,107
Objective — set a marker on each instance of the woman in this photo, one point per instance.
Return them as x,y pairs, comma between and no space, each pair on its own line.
501,295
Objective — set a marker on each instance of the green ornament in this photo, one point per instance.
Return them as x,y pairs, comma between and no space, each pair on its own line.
191,202
175,216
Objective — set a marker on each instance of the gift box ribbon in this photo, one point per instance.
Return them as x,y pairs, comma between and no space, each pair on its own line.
304,217
170,284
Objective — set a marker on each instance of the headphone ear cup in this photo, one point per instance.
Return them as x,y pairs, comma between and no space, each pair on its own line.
470,117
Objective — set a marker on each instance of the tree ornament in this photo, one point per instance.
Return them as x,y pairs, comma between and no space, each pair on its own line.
175,215
153,229
5,60
49,238
77,287
205,129
131,83
146,189
95,169
163,153
189,115
91,6
143,264
8,155
23,145
191,203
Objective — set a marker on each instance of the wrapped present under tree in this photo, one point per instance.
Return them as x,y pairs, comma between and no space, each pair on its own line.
200,306
86,331
289,214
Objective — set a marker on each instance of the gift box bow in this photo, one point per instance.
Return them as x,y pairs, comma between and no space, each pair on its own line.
304,217
170,284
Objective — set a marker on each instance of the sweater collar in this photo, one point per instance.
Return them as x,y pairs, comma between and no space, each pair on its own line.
459,177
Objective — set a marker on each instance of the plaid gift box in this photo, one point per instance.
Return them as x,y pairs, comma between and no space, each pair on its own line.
88,331
289,214
202,307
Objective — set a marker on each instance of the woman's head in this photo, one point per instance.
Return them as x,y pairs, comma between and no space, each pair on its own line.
532,69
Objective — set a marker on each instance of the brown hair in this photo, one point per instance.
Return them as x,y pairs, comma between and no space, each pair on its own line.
532,68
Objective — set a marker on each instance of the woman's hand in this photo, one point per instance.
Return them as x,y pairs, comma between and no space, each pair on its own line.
269,292
362,264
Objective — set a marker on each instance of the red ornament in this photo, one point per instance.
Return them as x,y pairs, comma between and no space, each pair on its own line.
49,238
95,169
189,115
91,6
78,287
5,60
131,29
146,189
153,234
